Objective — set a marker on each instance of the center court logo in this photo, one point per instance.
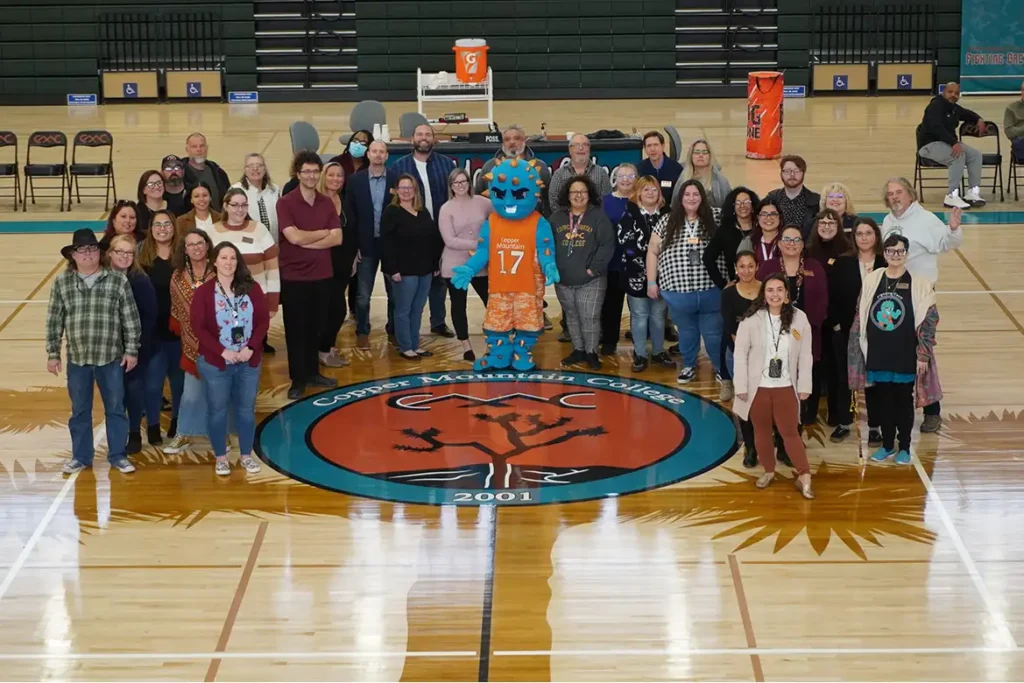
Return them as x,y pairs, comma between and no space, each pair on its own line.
505,438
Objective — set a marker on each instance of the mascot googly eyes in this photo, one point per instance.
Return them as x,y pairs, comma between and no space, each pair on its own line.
516,247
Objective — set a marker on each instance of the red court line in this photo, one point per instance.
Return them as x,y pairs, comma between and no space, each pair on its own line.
748,625
236,604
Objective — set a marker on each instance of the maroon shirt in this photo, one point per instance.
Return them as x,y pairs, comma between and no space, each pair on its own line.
300,263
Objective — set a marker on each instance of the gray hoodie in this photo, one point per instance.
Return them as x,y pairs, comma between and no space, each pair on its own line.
591,249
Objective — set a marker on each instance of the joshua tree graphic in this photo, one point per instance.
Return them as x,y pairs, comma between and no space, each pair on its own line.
514,433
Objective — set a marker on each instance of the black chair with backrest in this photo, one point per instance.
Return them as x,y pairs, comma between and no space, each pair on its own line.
96,168
46,139
922,165
9,169
988,159
1013,179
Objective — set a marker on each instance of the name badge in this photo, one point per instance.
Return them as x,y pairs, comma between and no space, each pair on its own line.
796,335
808,273
693,240
247,240
666,183
831,261
903,285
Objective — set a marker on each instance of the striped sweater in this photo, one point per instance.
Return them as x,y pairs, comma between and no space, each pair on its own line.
259,252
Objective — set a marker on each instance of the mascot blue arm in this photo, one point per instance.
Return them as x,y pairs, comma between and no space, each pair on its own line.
546,251
462,275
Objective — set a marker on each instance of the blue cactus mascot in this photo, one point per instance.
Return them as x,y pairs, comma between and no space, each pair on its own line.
517,247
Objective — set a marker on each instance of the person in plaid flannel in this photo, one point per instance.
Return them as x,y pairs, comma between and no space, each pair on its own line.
94,309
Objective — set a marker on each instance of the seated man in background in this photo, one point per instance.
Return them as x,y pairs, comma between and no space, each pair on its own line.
513,144
937,140
1013,125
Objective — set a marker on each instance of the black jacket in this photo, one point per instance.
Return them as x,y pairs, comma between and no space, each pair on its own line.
844,290
667,176
726,241
812,200
223,184
358,202
941,118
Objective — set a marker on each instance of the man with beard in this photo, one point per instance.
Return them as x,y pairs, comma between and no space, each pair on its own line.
177,197
928,237
798,204
513,145
580,163
431,172
937,141
199,168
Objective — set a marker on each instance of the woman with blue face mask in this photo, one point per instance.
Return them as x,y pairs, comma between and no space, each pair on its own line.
353,158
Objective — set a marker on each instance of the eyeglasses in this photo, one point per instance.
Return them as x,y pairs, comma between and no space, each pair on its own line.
238,206
163,224
460,183
194,245
793,171
895,252
746,202
172,169
791,240
154,184
577,193
827,223
254,167
123,252
406,189
580,145
310,172
627,176
769,214
836,196
92,249
701,152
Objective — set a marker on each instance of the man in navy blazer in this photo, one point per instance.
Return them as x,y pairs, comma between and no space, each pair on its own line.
431,171
366,194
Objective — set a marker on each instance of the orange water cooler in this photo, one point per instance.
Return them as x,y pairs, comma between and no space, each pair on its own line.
470,60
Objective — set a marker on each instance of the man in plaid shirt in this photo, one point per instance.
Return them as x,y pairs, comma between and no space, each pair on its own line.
94,308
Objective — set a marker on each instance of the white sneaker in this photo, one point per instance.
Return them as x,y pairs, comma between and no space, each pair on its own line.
953,201
974,197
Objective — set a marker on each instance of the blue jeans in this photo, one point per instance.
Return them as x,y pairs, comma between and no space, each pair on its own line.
233,387
164,363
410,297
366,275
644,312
110,379
192,411
697,314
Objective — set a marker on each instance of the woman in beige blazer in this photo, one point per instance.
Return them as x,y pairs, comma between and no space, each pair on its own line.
772,375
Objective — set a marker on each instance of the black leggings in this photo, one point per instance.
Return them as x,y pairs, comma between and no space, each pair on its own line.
896,413
611,308
336,306
458,297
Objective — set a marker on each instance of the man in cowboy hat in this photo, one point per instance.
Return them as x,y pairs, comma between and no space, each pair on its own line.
94,308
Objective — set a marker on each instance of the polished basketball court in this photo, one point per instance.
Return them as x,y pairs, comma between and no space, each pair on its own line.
604,528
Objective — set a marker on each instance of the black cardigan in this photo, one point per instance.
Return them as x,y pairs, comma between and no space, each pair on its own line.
410,245
726,241
844,285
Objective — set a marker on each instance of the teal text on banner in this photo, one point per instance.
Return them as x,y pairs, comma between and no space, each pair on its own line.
992,46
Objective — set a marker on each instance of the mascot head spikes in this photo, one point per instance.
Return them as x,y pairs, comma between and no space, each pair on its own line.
514,188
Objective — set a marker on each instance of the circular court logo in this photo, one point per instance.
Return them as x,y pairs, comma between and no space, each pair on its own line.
505,438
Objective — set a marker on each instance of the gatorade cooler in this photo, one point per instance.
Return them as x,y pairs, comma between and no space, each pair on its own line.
471,60
764,114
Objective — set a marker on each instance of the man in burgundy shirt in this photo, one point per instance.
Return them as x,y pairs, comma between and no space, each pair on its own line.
310,226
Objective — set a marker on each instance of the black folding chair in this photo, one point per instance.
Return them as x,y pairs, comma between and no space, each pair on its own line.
46,139
9,169
103,168
988,160
1013,179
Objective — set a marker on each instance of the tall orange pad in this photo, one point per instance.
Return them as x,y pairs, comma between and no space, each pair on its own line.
470,60
764,114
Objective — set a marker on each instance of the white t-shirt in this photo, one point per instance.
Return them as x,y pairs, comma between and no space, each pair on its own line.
205,225
772,332
428,201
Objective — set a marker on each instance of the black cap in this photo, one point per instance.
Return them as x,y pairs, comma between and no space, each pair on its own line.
84,237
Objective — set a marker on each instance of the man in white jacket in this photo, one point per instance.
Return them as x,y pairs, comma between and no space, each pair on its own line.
928,237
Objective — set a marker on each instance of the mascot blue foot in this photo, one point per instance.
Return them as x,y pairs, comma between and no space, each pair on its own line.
522,356
499,353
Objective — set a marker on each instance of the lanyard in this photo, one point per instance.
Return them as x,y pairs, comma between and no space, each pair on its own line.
232,302
776,338
767,254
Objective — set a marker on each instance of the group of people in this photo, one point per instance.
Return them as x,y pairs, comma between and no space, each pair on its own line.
793,296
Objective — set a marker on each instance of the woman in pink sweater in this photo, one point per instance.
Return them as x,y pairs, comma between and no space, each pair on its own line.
459,221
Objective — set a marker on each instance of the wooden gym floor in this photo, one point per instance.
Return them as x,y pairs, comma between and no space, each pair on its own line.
893,573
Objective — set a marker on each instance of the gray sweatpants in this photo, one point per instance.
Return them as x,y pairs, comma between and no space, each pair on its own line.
942,153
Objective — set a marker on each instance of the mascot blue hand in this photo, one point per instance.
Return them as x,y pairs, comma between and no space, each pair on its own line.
461,276
551,274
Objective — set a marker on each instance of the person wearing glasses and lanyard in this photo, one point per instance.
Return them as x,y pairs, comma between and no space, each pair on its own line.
892,347
763,238
808,290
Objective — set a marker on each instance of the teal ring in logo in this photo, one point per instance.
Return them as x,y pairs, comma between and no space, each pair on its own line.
283,440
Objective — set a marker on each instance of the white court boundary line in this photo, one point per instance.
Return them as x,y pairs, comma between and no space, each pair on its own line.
979,583
644,652
12,573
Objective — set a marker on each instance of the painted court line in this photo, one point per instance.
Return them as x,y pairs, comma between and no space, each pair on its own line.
748,624
995,614
75,656
12,573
